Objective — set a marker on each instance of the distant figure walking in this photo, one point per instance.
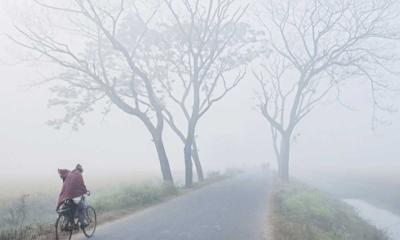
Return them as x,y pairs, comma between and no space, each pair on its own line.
74,188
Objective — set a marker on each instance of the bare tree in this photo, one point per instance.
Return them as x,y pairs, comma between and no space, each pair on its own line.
206,45
317,45
113,65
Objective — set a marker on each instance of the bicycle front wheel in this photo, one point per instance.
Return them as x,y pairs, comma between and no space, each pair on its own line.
63,230
91,218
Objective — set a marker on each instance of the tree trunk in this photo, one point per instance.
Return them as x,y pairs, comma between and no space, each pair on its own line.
188,163
197,163
164,163
189,141
284,157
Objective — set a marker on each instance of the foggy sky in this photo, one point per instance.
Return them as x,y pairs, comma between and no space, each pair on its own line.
231,134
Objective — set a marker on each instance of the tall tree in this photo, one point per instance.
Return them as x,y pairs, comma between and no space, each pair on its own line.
317,45
207,48
109,62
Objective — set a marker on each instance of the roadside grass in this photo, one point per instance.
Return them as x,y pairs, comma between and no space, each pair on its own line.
135,196
302,213
29,232
15,222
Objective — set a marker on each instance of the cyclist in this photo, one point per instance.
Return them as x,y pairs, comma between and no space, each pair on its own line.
74,188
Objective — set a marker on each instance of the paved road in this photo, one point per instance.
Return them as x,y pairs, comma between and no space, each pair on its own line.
234,209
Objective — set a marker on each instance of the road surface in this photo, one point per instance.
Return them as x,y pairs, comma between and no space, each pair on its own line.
233,209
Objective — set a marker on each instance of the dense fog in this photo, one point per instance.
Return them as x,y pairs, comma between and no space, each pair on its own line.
335,137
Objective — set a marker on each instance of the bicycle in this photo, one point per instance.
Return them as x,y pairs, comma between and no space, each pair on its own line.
67,222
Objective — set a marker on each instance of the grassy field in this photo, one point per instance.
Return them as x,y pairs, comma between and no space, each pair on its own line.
31,216
302,213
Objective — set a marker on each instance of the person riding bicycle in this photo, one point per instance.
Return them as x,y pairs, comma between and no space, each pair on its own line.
74,187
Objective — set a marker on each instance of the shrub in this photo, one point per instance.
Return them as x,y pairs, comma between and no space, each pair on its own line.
214,175
17,212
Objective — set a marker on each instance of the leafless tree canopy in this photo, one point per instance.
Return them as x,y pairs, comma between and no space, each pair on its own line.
113,62
202,48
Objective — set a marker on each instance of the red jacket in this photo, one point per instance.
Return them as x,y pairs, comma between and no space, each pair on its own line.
73,185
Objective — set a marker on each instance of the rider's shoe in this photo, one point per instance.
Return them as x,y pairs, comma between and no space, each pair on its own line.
84,225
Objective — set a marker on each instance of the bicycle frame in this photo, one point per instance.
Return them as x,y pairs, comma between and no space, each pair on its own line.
68,220
69,210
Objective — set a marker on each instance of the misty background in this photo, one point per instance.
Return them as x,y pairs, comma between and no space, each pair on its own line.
333,139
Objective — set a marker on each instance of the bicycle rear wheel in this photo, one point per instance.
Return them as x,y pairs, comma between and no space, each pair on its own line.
62,231
91,218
